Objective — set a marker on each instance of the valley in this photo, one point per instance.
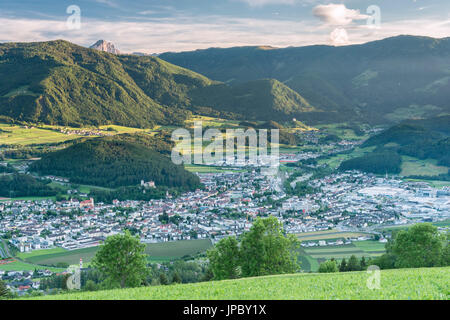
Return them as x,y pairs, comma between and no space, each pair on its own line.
85,155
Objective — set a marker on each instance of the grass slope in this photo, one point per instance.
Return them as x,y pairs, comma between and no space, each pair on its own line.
405,284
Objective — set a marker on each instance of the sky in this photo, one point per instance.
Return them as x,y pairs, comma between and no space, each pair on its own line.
156,26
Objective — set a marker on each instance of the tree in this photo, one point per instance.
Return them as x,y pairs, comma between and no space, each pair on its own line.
90,286
419,246
163,279
446,255
353,264
4,291
343,266
363,263
266,250
385,261
176,278
224,259
122,260
328,266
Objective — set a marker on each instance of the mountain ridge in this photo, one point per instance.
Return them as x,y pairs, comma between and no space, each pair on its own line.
57,82
377,81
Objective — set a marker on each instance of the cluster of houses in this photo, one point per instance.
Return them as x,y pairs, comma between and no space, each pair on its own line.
225,207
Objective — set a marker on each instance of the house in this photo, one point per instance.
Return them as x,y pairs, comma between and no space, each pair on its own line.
87,204
149,184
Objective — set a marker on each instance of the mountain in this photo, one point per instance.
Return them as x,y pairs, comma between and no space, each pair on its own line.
105,46
58,82
381,81
259,99
423,139
114,162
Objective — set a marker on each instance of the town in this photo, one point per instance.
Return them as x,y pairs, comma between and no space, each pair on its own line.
351,201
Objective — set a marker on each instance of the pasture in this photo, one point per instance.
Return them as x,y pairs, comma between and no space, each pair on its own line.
164,251
18,265
397,284
428,167
328,235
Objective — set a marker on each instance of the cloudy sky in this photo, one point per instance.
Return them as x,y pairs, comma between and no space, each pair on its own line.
155,26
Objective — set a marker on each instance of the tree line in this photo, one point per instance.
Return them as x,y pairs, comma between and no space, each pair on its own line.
420,246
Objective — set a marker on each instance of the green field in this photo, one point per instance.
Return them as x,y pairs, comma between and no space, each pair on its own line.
358,248
343,133
28,255
27,199
402,284
413,166
335,161
311,257
15,134
177,249
328,235
433,183
23,266
46,134
444,223
370,246
164,251
204,169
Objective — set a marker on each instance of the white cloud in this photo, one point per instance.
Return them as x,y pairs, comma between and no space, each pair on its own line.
108,3
337,14
180,34
260,3
339,37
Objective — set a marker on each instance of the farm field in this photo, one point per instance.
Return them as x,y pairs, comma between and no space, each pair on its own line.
358,248
370,246
311,257
28,255
211,122
338,130
28,199
335,161
401,284
14,134
328,235
414,166
24,266
444,223
434,183
165,251
204,169
47,134
307,263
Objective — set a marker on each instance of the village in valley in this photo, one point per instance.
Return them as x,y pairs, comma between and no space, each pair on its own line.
343,201
333,211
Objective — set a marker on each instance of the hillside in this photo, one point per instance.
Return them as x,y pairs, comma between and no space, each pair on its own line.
428,138
404,284
266,99
58,82
114,162
387,80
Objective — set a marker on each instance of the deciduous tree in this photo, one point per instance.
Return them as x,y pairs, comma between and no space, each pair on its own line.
122,259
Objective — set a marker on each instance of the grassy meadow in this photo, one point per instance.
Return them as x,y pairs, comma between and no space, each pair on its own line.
158,252
402,284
